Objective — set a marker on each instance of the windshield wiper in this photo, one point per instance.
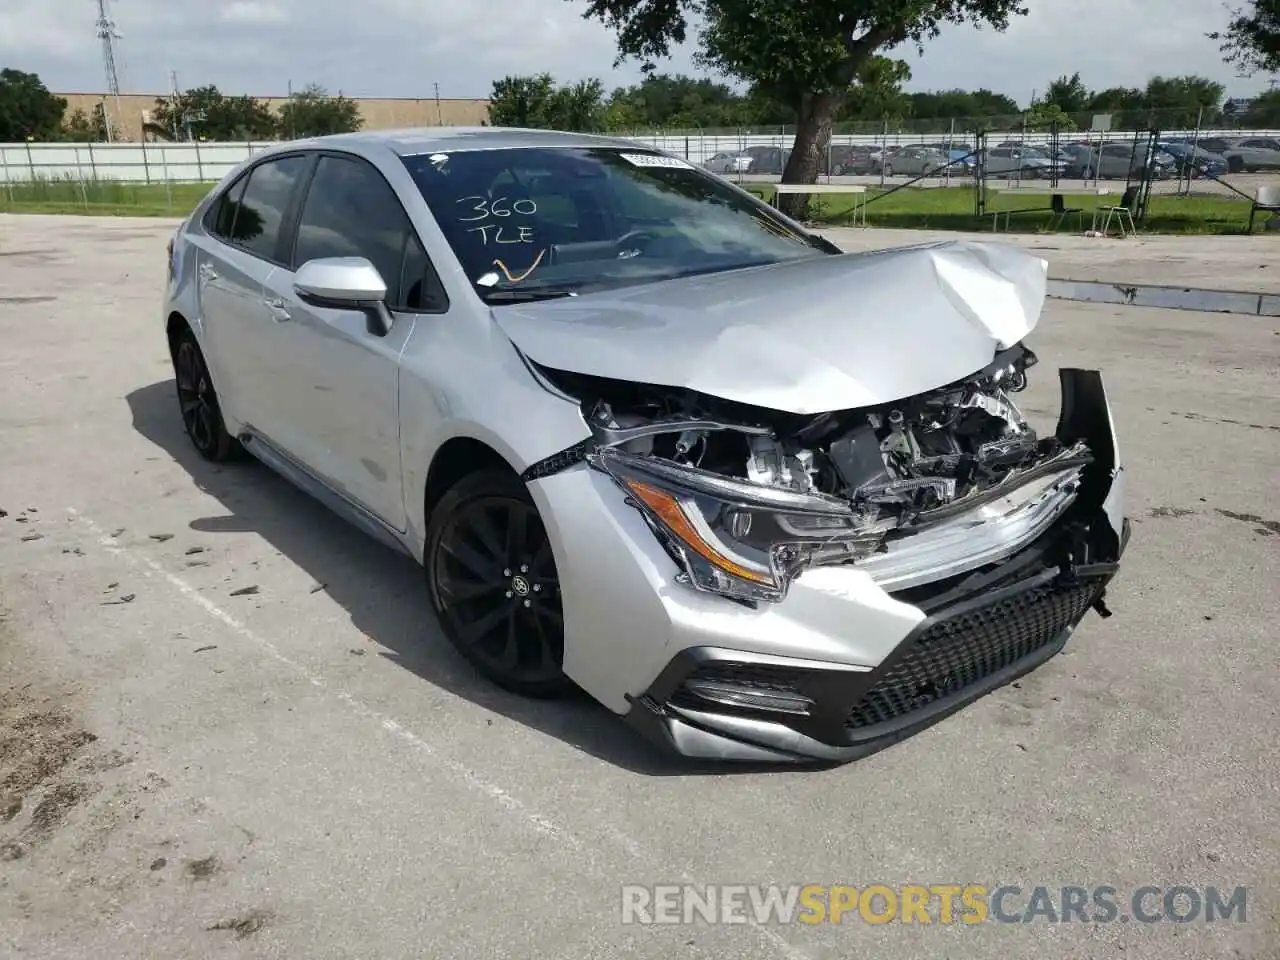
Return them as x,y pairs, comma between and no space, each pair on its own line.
524,296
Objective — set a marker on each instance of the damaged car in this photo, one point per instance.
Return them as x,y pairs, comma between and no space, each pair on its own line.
648,436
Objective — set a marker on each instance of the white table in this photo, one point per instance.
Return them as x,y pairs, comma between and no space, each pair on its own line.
813,188
1036,188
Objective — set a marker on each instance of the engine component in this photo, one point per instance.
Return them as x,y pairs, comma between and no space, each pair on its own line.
857,458
932,454
770,465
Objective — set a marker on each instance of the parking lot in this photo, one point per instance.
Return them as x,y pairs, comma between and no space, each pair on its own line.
1230,185
229,725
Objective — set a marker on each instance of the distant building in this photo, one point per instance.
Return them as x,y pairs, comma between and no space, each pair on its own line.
379,113
1237,106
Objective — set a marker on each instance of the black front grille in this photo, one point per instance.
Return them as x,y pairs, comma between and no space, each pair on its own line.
963,650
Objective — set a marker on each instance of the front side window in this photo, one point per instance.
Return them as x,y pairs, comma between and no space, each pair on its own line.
574,220
351,211
260,211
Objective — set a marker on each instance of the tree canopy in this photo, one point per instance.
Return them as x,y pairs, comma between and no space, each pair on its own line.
27,108
1252,38
538,102
312,112
805,55
205,112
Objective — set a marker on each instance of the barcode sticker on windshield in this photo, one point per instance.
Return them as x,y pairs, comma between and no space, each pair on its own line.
655,160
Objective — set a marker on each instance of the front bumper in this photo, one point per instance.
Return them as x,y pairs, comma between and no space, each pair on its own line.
959,652
856,662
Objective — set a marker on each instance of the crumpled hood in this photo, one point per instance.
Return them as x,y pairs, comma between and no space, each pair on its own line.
805,336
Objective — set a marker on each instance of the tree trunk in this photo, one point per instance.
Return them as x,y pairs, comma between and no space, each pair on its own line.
809,155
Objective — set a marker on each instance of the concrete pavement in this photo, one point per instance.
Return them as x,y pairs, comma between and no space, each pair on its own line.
305,768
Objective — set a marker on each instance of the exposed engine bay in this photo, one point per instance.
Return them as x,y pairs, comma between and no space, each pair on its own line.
923,457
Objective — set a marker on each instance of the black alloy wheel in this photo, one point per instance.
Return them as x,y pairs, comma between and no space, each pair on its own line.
198,402
494,585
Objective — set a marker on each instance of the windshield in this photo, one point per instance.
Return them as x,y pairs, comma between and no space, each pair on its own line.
527,222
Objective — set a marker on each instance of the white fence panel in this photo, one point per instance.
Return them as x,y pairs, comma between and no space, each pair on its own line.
207,162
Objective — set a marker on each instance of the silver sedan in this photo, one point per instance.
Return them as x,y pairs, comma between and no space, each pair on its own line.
729,163
649,437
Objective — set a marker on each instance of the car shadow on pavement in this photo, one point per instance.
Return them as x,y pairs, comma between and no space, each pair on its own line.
383,592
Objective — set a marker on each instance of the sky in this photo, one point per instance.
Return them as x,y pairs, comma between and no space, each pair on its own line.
402,48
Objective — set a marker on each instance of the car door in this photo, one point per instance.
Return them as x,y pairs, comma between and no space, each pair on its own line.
236,253
342,375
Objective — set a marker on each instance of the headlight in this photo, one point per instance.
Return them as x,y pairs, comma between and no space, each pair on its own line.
735,538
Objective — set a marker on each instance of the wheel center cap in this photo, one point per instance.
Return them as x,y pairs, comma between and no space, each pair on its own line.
519,586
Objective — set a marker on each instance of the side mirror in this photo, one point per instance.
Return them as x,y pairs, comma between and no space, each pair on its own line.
351,283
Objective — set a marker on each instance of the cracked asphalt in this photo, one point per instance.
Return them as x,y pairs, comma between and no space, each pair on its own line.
229,726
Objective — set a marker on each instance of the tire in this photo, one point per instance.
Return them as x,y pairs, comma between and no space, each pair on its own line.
493,584
1235,165
198,402
1030,173
887,169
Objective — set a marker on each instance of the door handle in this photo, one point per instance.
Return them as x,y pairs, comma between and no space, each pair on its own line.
207,272
278,310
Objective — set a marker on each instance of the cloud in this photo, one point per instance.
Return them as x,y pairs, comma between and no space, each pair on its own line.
247,11
391,48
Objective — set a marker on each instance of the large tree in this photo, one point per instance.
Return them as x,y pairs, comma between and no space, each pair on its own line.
1252,38
205,112
312,112
806,55
1068,94
1263,112
1177,103
679,102
28,109
877,92
536,101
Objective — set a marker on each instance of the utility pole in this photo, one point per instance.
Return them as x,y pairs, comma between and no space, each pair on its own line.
108,36
174,100
439,116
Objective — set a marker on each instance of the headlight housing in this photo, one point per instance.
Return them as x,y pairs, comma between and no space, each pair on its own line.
735,538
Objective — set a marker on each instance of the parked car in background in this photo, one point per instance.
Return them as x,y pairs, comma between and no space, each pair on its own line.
1194,160
519,358
1076,157
854,160
730,162
961,154
1122,160
915,161
769,160
1218,145
1253,154
1020,161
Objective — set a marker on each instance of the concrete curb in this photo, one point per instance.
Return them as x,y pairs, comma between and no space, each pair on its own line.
1170,298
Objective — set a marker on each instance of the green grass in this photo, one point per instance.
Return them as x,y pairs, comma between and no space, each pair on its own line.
935,208
106,197
952,208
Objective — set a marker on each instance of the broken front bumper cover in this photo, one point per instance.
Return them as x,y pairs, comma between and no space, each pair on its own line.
719,704
984,626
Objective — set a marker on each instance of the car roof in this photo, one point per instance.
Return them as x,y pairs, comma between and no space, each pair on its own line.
412,141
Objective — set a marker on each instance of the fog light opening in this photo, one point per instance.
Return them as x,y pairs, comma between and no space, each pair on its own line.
751,697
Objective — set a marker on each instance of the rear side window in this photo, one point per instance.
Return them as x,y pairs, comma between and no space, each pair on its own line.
261,208
351,211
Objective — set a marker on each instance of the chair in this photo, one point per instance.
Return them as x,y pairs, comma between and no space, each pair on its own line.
1267,200
1120,212
1061,211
